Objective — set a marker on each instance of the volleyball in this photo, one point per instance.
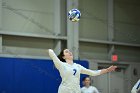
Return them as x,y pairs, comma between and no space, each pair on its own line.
74,15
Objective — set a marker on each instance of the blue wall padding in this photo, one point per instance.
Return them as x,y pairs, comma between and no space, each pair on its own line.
18,75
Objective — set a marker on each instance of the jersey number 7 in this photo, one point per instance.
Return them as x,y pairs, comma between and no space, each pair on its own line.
74,71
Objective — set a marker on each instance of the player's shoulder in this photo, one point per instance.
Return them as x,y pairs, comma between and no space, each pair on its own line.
82,88
92,87
76,64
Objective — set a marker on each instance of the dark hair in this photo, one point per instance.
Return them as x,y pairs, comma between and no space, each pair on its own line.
61,55
84,78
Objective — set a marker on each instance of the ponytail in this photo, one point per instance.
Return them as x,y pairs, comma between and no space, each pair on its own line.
61,55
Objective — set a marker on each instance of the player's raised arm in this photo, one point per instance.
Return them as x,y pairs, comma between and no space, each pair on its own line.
97,72
55,59
109,69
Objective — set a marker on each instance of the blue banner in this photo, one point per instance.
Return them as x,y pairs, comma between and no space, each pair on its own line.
19,75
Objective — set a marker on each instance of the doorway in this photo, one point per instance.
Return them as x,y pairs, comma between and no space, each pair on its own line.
113,82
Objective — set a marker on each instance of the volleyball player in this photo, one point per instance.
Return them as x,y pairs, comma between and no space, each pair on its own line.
87,88
136,88
70,71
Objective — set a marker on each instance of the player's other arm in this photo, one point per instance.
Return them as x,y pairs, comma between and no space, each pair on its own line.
97,72
55,59
136,87
109,69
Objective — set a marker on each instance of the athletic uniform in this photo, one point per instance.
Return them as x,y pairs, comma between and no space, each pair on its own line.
70,74
89,89
136,88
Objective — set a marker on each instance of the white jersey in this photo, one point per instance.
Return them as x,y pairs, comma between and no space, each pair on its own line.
70,74
136,88
89,89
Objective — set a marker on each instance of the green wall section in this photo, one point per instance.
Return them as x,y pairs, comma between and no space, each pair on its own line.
93,23
29,16
37,17
127,21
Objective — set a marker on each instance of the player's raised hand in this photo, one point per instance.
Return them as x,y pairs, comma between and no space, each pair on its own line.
111,68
